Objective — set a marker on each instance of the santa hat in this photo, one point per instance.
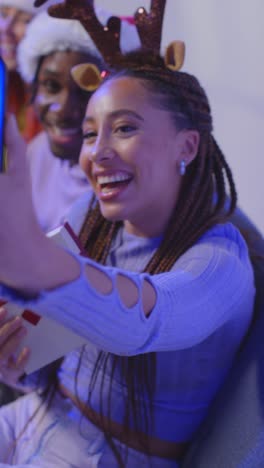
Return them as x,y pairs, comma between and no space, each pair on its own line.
26,5
46,34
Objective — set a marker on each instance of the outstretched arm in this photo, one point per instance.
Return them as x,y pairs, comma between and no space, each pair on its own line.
119,311
30,262
23,246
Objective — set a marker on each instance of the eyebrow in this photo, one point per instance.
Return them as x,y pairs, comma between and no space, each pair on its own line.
116,114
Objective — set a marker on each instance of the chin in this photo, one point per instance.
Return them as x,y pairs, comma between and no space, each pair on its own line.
111,214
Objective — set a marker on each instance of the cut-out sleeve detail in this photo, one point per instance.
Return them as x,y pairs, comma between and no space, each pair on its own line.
127,290
209,285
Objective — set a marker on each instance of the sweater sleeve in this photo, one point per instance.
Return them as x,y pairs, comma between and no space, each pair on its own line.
211,284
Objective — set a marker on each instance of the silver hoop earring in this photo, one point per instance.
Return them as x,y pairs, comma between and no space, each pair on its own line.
182,167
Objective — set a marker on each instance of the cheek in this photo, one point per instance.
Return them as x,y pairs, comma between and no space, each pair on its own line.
131,151
82,160
142,159
42,104
40,100
85,162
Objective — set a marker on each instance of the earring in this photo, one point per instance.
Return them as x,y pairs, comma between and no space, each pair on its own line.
182,167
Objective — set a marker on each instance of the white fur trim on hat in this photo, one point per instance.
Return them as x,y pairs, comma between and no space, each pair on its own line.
45,35
26,5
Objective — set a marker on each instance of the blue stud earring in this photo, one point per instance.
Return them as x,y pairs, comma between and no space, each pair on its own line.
182,167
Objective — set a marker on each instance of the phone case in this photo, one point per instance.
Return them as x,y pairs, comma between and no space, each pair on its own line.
3,94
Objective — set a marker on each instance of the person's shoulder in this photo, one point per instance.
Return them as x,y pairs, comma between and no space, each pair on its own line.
40,138
226,231
77,214
227,238
222,245
37,146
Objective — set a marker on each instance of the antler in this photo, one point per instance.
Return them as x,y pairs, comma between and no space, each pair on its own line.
149,26
106,38
38,3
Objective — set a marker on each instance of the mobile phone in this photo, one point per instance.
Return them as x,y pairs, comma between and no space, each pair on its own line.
3,91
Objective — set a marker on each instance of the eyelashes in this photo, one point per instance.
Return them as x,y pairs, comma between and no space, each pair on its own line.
125,129
89,135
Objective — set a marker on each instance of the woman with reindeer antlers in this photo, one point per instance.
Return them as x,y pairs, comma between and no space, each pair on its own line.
164,291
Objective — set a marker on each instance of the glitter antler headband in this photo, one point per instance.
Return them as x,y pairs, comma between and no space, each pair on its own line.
149,25
107,38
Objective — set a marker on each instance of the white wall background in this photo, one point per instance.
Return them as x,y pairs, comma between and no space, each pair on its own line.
225,41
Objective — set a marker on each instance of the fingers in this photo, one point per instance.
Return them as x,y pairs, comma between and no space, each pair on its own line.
16,147
23,358
4,316
18,364
13,368
11,335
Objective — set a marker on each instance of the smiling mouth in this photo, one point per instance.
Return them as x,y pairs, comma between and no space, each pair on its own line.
111,186
64,131
64,134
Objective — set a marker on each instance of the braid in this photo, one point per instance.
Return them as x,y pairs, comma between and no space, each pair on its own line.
98,245
201,204
225,167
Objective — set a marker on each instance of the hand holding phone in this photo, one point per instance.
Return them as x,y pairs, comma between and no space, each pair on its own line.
3,91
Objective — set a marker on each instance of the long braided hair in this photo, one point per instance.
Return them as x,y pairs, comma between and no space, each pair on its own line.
207,197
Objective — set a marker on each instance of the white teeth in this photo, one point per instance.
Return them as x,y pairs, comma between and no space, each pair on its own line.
106,190
65,131
113,178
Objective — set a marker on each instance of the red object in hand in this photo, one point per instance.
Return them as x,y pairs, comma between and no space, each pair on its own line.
31,317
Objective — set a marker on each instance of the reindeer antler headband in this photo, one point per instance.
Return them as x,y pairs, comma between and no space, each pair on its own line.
107,38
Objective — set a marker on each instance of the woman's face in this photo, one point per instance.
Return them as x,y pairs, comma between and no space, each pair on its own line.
131,154
60,104
13,24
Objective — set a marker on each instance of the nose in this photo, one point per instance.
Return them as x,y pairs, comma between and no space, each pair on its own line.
101,150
